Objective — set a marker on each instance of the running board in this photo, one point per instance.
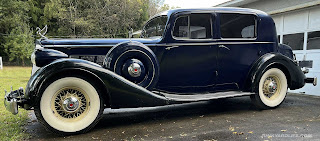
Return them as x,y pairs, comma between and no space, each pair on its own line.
203,97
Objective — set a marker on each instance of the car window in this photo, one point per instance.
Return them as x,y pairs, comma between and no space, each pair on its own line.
155,27
194,26
237,25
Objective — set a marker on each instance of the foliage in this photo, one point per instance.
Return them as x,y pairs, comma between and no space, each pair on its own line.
12,126
16,40
69,18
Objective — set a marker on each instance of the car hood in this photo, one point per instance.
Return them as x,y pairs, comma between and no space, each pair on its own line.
102,42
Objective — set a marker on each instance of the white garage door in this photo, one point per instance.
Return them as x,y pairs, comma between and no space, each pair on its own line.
301,30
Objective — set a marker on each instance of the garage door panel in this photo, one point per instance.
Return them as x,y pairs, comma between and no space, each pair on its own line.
295,22
316,61
278,22
314,19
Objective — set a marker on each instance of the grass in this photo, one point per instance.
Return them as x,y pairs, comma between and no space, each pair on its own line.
12,126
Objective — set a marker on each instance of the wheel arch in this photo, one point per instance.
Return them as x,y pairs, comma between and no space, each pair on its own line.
74,72
294,75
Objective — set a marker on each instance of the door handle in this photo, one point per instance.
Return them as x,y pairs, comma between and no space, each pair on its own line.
168,48
223,46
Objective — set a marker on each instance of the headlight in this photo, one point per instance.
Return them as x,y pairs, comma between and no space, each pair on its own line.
33,58
38,46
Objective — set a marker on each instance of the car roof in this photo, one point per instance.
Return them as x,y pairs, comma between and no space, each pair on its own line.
217,9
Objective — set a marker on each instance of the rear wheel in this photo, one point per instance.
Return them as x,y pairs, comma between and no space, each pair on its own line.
272,89
69,105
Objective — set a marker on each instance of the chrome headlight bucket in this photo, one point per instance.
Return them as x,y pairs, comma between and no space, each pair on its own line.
33,58
38,46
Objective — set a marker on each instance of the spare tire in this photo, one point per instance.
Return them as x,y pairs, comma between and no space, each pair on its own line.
135,62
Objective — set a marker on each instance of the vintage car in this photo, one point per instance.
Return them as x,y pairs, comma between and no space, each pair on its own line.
182,55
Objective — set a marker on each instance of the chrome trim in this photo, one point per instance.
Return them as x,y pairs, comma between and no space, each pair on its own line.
42,31
212,43
305,70
223,46
134,70
78,46
169,44
168,48
11,105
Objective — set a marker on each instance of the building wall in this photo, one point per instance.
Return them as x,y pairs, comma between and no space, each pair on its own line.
273,5
303,22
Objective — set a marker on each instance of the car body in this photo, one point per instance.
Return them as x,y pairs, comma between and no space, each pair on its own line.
183,55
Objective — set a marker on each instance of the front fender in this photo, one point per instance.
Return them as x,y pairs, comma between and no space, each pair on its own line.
293,72
121,92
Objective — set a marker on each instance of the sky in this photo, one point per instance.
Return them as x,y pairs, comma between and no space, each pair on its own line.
193,3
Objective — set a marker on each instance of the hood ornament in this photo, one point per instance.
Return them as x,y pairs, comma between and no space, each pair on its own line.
42,31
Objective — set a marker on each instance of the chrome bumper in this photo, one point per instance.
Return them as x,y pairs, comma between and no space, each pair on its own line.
12,99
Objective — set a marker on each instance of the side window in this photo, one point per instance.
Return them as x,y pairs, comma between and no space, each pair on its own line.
181,27
237,25
194,26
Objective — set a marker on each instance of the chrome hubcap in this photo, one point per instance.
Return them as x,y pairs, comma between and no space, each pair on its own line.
71,104
270,86
134,70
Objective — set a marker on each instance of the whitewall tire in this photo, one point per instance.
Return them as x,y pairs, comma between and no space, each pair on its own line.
272,89
69,105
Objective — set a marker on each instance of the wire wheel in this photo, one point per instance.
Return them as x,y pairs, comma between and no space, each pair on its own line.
70,103
271,87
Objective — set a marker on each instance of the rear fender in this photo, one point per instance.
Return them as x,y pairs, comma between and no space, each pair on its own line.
295,76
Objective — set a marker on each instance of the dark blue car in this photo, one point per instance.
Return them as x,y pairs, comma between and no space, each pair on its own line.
182,55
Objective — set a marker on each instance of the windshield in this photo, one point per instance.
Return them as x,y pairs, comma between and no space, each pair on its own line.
154,28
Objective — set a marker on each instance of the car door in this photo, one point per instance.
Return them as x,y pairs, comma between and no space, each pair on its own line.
237,49
189,62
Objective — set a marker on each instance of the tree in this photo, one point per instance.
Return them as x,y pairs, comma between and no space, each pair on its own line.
16,37
69,18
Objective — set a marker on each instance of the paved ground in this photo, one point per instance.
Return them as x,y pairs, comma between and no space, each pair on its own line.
298,118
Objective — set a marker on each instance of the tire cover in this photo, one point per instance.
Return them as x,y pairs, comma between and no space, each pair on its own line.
120,54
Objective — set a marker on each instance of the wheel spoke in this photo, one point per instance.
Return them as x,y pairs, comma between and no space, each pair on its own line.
70,103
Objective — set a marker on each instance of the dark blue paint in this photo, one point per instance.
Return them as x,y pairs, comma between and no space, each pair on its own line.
194,66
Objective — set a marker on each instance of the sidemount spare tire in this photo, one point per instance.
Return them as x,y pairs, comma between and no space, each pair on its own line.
135,62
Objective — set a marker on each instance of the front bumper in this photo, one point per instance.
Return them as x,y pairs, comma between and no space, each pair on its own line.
13,99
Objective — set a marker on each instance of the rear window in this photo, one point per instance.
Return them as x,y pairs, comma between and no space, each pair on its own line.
237,25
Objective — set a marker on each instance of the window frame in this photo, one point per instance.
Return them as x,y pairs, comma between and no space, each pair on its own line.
151,19
308,38
243,13
212,18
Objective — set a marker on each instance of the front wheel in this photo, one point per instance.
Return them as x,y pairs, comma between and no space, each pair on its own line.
272,89
69,105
